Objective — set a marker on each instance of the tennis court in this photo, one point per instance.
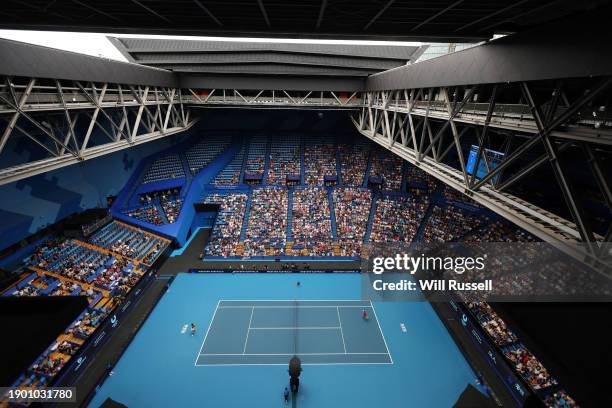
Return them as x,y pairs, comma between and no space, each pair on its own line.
265,332
166,366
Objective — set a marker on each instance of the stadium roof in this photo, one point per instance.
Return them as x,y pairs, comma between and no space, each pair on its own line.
259,58
422,20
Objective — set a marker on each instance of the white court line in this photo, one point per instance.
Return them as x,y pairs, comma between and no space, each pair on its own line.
297,328
293,300
288,307
206,335
288,354
291,354
381,332
246,340
341,331
284,364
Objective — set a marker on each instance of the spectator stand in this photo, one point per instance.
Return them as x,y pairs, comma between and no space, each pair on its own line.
256,161
110,276
397,217
231,175
320,161
285,167
386,170
225,238
213,163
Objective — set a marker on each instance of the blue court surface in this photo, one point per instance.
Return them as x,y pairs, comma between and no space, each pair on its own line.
250,325
271,332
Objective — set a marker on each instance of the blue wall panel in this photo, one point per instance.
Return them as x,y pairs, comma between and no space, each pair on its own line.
31,204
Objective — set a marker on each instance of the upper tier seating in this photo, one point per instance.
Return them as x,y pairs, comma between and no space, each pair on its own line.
397,219
256,158
319,160
165,168
230,175
204,152
354,159
419,181
284,160
387,166
450,224
451,194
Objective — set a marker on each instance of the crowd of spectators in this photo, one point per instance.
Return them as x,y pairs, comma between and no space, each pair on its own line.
226,233
285,161
67,347
49,366
388,167
68,268
453,195
397,218
319,161
532,371
267,226
352,209
128,241
311,223
418,181
256,158
497,231
354,162
172,208
492,323
560,399
450,224
147,213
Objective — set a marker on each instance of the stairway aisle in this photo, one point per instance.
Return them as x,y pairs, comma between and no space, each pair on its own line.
289,214
332,214
245,220
366,238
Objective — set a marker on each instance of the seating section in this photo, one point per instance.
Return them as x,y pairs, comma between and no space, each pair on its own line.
354,161
172,207
131,242
560,399
450,224
492,323
267,225
452,195
397,219
311,225
285,161
388,167
256,158
225,237
532,371
352,208
147,213
104,270
230,175
418,181
500,232
164,168
319,161
202,153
